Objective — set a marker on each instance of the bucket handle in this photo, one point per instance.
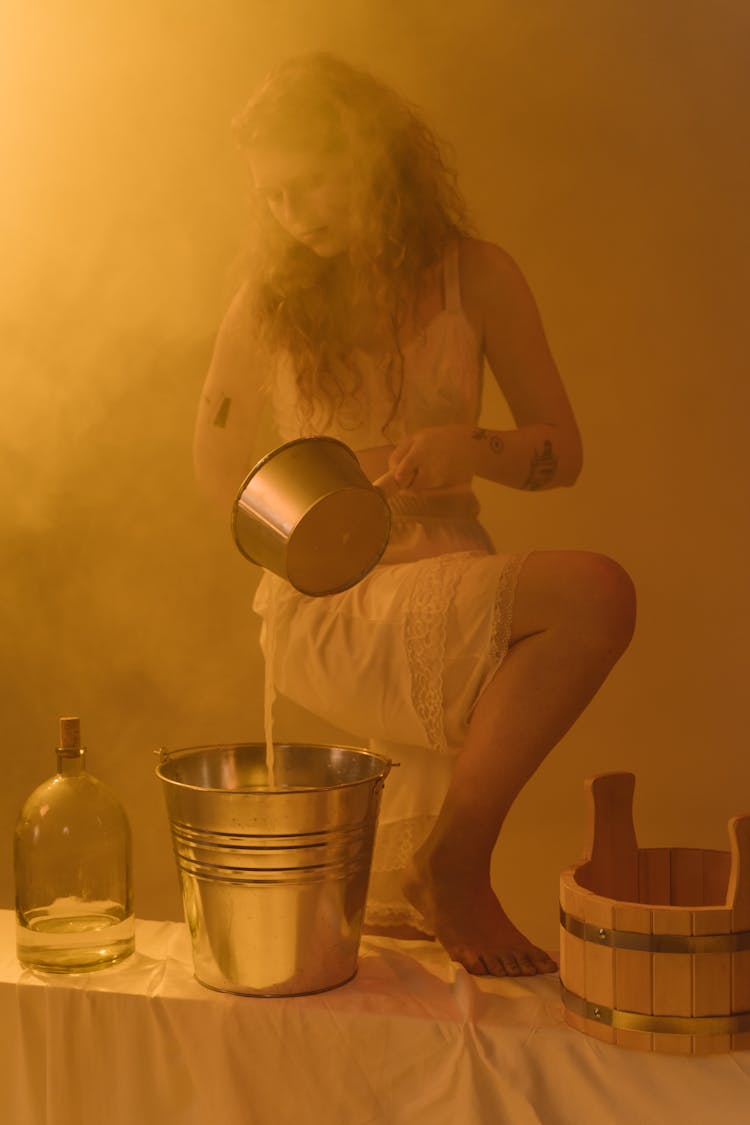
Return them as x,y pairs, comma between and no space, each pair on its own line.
738,890
613,849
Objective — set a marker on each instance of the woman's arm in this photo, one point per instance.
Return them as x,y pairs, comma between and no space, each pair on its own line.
544,450
229,409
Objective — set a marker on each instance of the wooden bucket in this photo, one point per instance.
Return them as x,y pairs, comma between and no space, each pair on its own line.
655,942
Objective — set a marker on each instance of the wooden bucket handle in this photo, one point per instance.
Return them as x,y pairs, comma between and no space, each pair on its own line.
613,848
738,889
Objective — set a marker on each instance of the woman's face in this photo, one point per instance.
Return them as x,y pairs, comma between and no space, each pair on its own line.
308,193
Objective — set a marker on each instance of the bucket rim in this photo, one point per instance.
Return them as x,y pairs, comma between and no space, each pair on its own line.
317,439
166,755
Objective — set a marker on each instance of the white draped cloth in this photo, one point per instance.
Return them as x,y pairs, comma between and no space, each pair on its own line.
412,1040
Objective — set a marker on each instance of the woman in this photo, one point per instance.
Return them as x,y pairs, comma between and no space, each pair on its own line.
373,311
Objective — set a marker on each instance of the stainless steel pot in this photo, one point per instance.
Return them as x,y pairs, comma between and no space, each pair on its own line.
274,880
307,512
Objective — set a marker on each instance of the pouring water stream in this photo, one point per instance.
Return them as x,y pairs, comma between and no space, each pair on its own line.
269,693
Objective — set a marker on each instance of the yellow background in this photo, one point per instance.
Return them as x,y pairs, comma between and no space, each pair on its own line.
603,144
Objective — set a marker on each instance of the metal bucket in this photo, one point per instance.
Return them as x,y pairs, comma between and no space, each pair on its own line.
308,513
274,880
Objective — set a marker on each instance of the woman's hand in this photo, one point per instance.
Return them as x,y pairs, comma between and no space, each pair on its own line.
437,457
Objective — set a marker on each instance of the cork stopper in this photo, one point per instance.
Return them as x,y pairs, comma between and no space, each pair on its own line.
70,735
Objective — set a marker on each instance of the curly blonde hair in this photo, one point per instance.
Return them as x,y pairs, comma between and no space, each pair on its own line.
406,205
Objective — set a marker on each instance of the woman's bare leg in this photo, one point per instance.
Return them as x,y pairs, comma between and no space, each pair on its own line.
573,618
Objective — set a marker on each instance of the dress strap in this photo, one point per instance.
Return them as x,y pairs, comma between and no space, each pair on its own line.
451,279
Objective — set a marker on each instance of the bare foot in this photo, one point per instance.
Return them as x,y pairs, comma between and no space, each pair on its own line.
470,923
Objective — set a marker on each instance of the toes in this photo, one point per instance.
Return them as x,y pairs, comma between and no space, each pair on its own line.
470,960
498,965
510,964
504,964
495,965
542,961
515,963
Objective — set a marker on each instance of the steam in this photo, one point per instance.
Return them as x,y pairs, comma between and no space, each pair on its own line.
121,210
599,148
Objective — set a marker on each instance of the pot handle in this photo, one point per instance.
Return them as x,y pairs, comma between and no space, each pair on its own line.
387,484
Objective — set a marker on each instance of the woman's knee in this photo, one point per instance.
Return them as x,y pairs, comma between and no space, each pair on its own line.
587,592
609,598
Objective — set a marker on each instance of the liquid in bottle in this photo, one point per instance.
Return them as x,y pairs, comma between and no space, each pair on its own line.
72,854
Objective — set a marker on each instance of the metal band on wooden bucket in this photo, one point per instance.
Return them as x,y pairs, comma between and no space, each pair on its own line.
654,943
666,1025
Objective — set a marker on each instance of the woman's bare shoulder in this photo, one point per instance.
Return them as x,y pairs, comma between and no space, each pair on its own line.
493,286
238,318
484,265
238,359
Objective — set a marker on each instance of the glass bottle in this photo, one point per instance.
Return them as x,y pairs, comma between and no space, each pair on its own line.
73,869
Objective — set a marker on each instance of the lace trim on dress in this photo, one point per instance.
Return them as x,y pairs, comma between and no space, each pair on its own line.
380,914
502,613
396,843
424,638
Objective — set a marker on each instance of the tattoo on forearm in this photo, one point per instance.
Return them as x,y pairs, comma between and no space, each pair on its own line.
222,413
543,468
496,442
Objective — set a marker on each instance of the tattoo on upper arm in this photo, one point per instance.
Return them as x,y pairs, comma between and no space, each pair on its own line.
220,418
496,442
543,468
